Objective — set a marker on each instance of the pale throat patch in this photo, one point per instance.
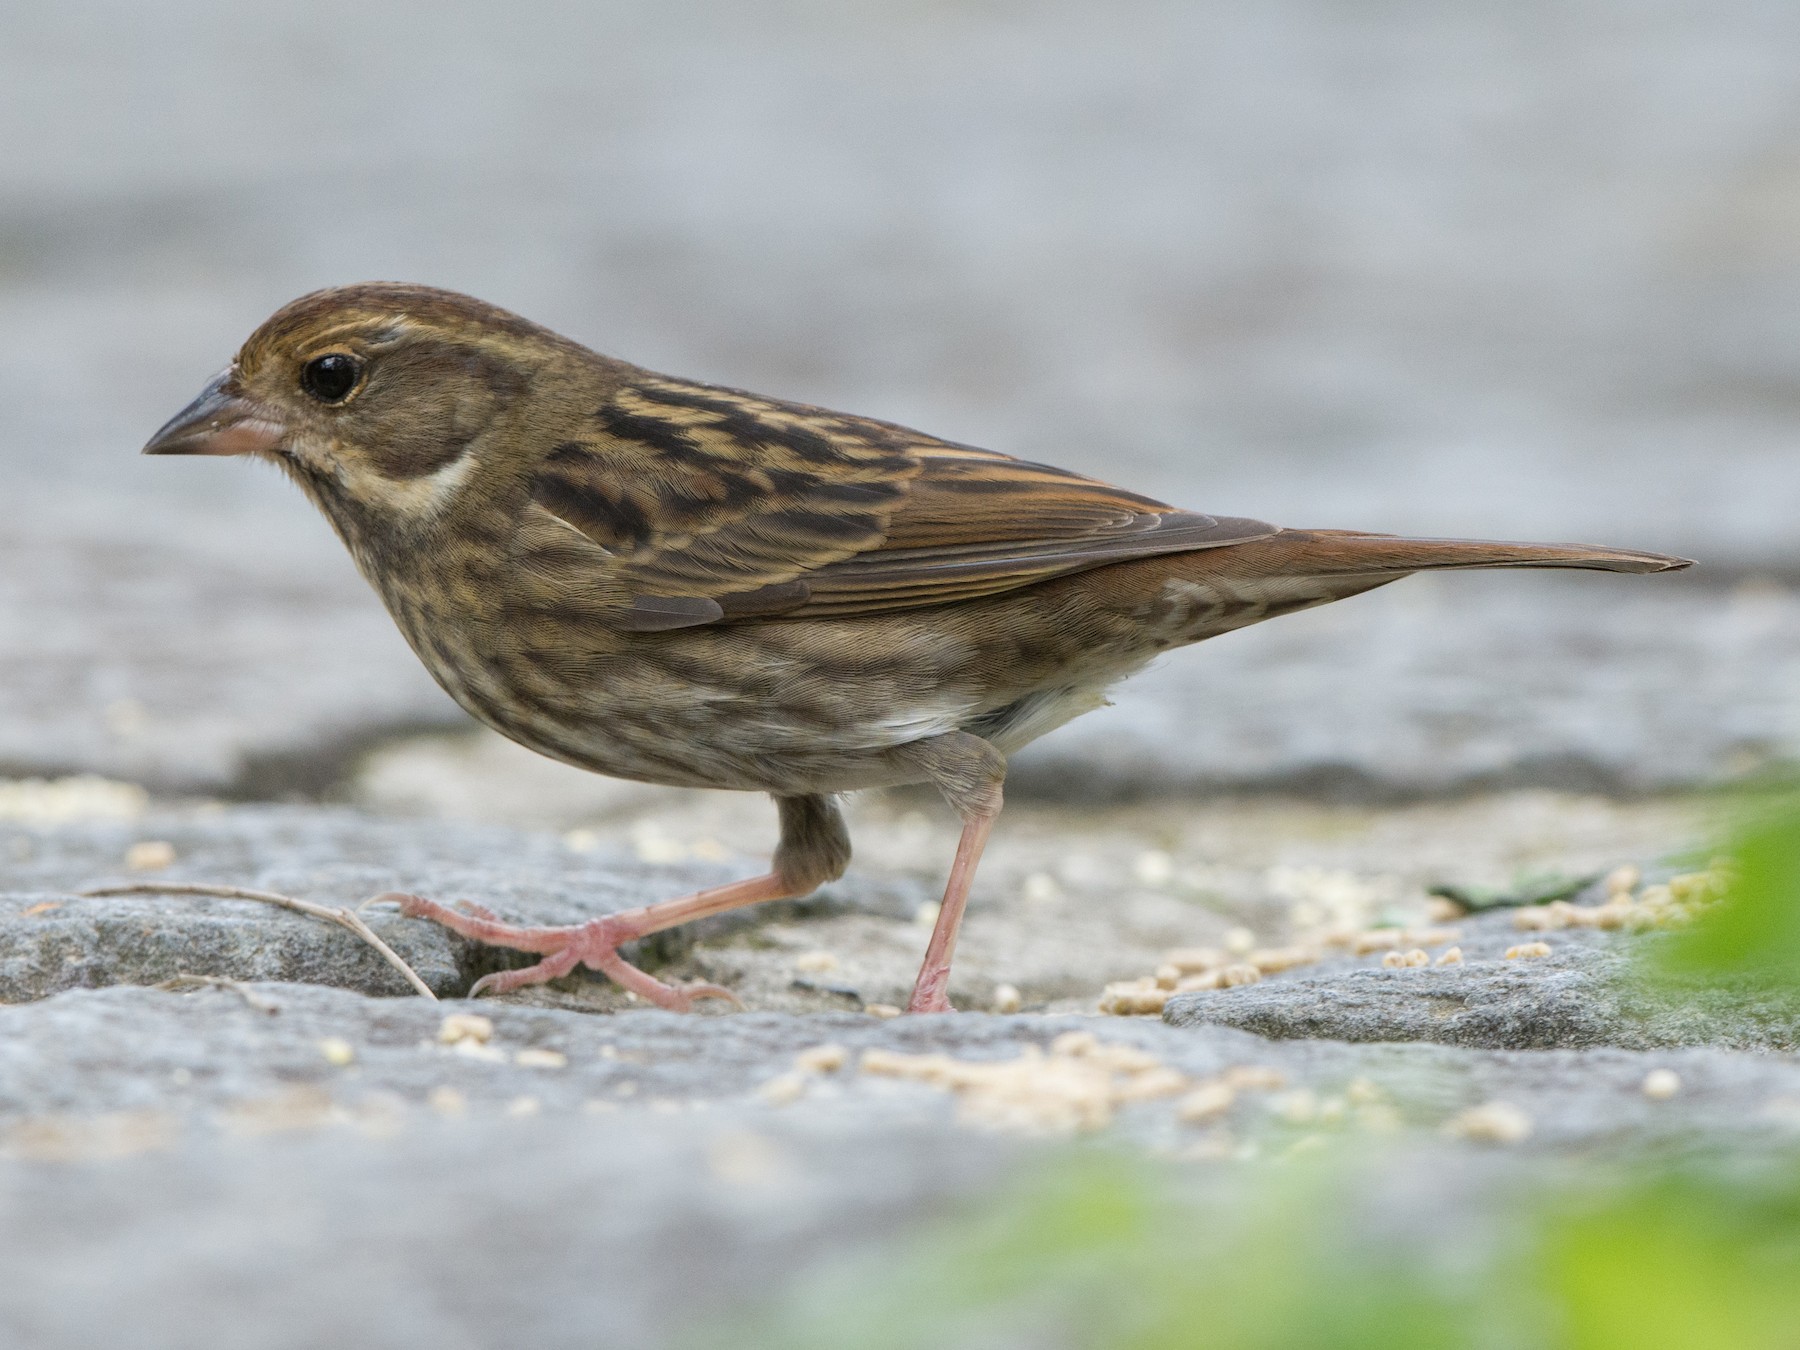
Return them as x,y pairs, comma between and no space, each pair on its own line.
418,498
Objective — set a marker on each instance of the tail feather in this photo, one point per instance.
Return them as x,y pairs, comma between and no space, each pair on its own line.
1325,552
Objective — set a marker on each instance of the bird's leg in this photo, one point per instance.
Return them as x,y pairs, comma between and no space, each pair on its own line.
929,994
814,848
969,772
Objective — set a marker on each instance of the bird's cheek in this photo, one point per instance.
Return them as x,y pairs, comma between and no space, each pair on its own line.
315,454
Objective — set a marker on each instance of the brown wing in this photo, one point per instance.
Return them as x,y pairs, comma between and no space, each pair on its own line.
718,505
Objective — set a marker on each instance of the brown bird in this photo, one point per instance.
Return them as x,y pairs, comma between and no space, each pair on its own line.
680,583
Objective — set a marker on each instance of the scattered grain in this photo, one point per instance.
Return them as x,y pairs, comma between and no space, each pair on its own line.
783,1089
149,855
1075,1043
1254,1078
1492,1123
1527,951
828,1058
61,801
465,1027
1205,1103
1272,960
1192,960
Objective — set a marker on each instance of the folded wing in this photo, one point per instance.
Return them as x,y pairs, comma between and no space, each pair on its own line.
718,506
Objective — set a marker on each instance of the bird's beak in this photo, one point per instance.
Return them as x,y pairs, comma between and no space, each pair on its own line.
220,422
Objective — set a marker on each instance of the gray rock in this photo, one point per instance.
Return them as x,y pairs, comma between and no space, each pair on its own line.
1588,992
162,1153
51,940
207,1061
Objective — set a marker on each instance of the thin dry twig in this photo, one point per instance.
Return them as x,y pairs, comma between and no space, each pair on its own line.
176,983
343,917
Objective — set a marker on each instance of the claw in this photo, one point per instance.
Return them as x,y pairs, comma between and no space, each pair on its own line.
479,911
701,989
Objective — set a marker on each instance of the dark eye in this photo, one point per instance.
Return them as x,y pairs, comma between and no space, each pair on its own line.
331,378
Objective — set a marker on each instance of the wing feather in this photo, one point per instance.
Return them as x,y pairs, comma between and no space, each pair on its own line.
714,505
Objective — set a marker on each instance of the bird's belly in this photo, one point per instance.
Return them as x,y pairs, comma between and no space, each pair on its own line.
698,714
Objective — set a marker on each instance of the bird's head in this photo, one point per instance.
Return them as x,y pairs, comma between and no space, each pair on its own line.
382,400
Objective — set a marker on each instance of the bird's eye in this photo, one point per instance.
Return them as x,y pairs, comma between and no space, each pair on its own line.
330,378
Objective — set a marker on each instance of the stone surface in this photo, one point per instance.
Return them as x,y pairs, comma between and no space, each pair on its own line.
171,1156
1067,899
1582,994
209,1060
51,939
1388,268
309,1165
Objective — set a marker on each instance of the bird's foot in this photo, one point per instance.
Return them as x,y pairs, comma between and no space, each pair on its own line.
594,944
930,994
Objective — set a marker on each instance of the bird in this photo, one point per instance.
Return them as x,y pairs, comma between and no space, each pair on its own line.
682,583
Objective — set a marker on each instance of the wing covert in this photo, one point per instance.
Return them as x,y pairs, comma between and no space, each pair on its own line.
718,506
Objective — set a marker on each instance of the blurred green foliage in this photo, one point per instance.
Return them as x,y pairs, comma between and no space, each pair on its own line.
1100,1250
1103,1253
1685,1261
1753,935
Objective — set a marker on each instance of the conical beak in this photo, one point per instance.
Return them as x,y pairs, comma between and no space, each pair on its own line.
220,422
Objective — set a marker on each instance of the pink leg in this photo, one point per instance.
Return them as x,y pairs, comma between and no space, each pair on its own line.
596,944
929,994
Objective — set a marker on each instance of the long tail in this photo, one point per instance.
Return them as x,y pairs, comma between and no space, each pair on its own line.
1334,552
1235,585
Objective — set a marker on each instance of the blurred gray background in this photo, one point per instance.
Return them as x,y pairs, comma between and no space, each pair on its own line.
1492,267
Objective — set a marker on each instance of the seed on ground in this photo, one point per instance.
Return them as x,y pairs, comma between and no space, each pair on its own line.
1204,1103
149,855
465,1027
826,1058
783,1089
1527,950
1492,1123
